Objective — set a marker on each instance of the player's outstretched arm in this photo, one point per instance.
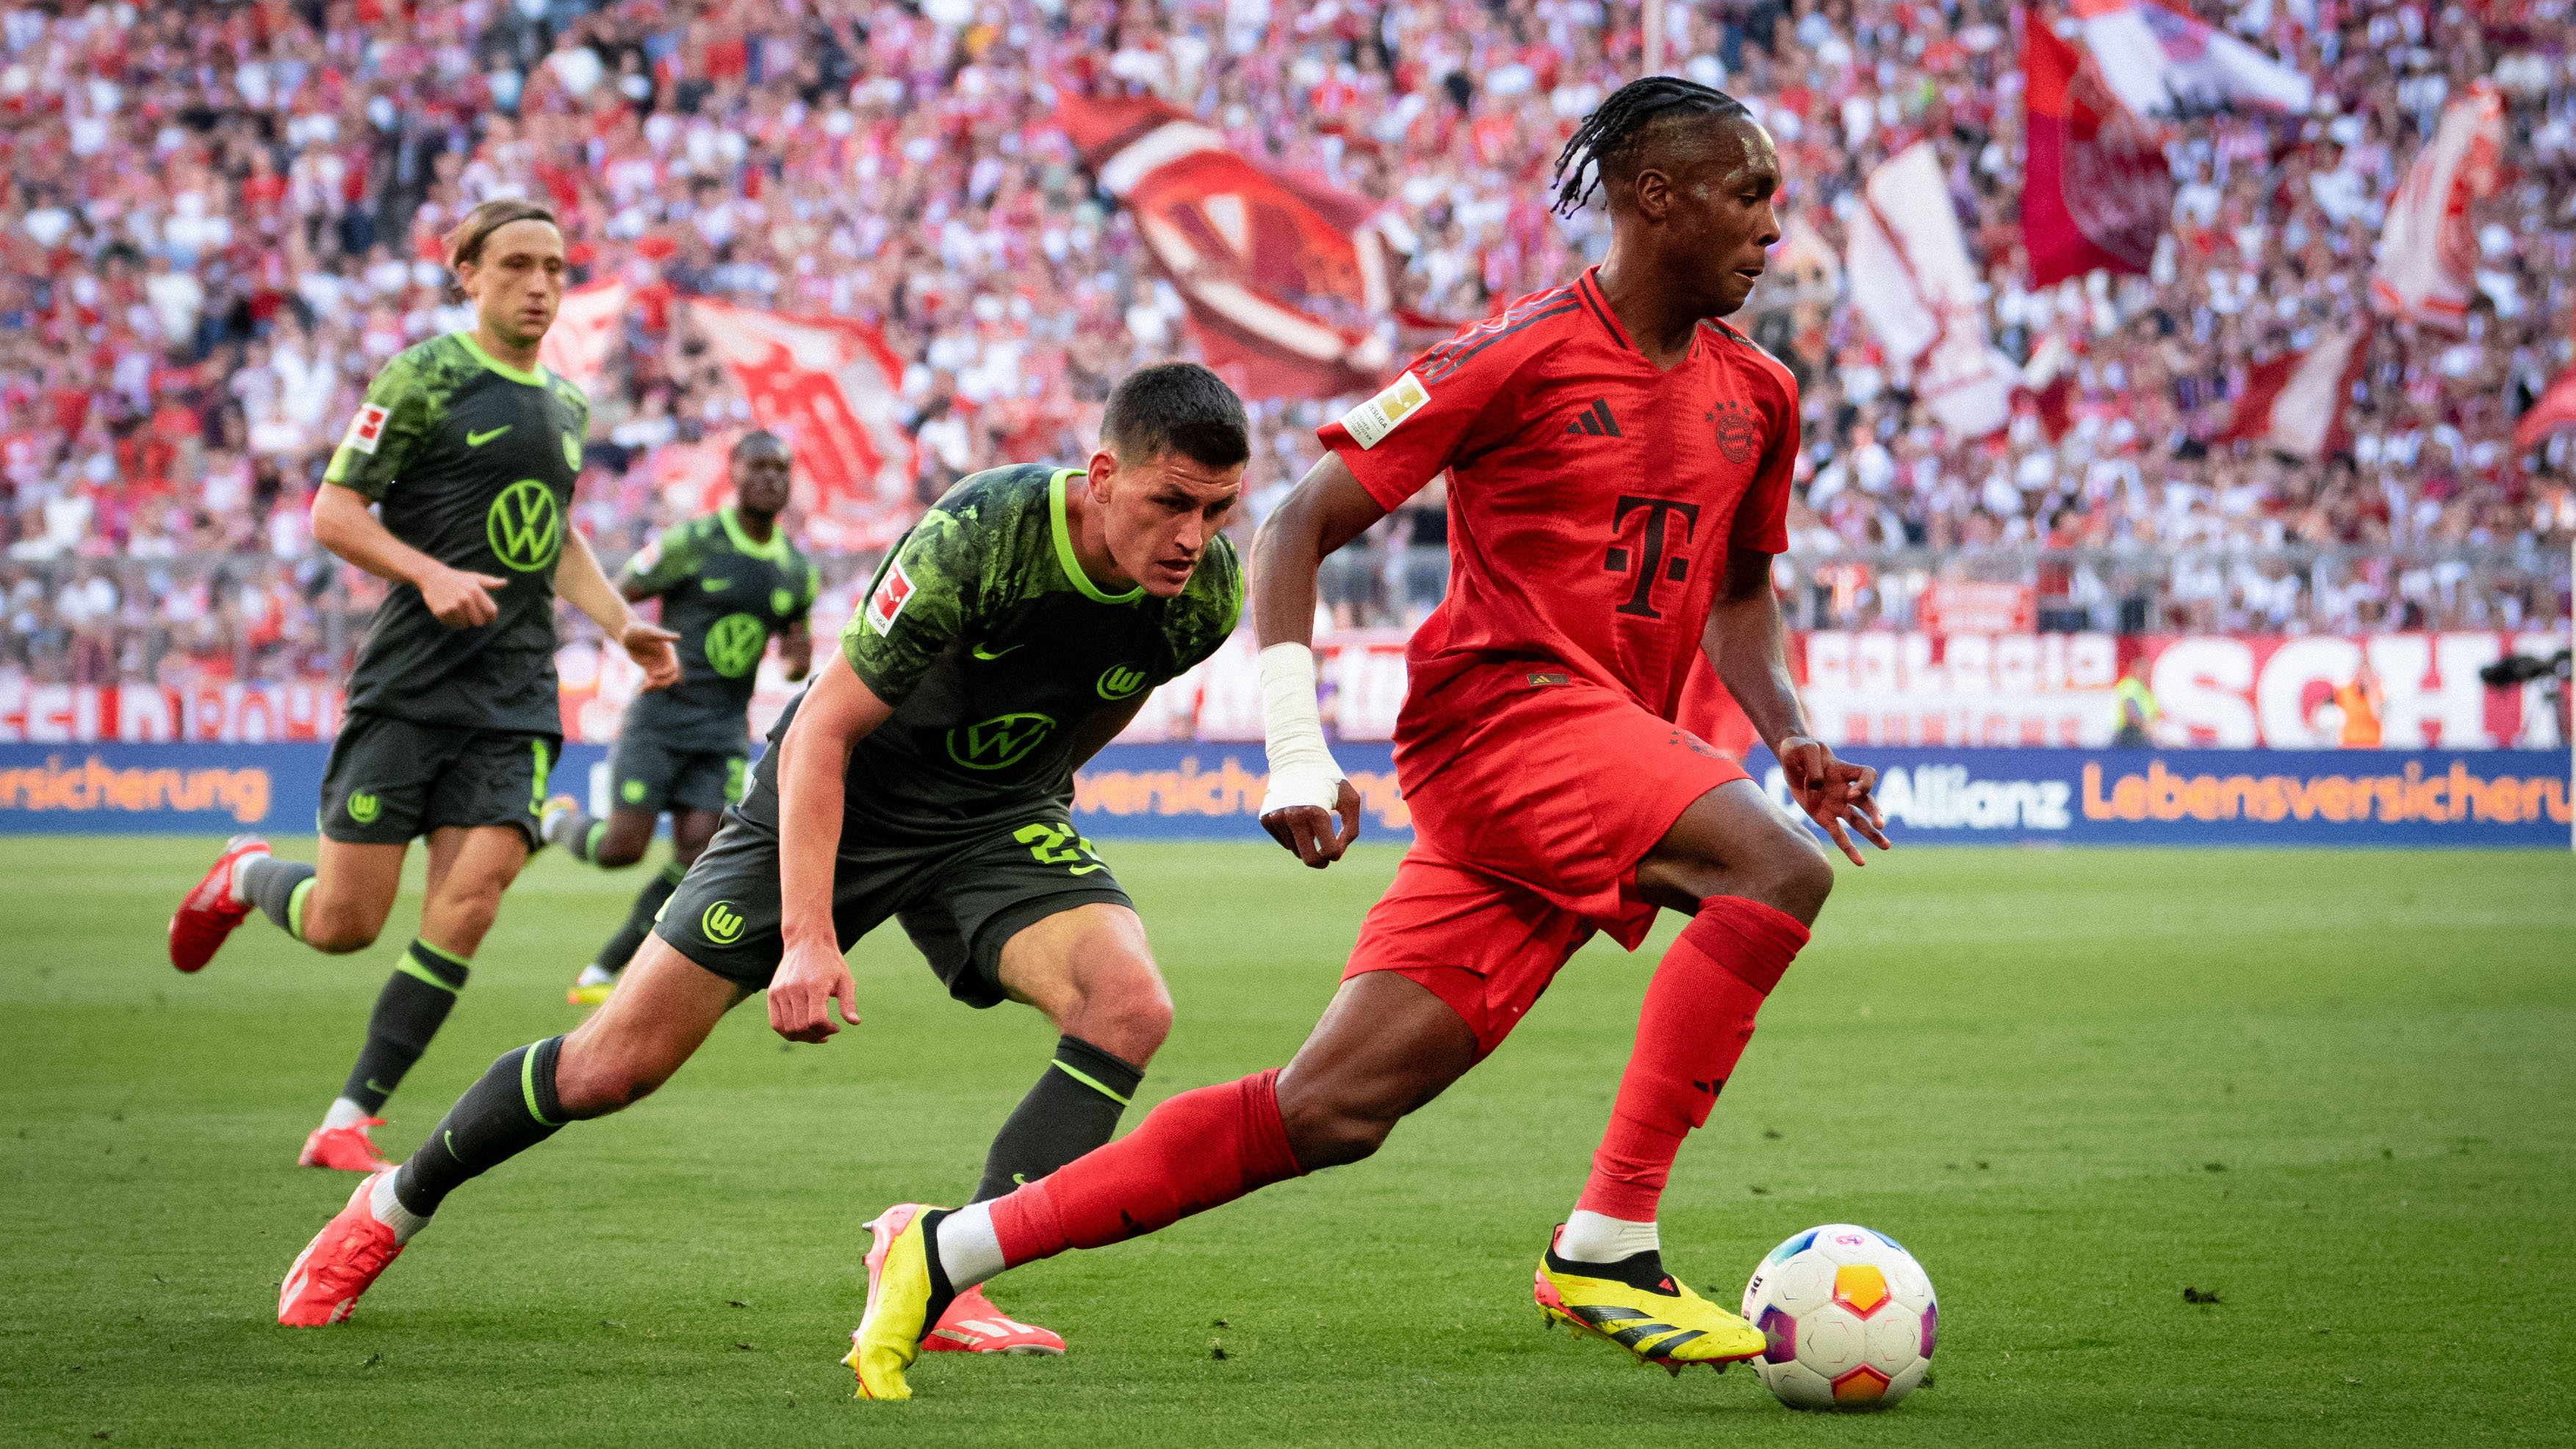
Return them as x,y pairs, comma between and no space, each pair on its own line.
813,762
343,523
579,578
1307,790
1748,646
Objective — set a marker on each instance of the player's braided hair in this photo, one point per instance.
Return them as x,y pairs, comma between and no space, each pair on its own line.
1620,122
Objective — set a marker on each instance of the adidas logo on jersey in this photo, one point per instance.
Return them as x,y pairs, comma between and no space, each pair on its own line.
1595,421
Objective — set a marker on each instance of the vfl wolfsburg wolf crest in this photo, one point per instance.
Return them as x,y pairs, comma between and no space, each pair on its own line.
722,923
998,743
525,527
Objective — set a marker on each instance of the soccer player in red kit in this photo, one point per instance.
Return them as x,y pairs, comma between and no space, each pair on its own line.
1619,465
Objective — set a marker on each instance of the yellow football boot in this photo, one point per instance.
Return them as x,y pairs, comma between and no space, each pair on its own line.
899,1302
1667,1327
592,987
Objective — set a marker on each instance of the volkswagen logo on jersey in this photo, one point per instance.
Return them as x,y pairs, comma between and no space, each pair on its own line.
734,643
998,743
1120,680
525,527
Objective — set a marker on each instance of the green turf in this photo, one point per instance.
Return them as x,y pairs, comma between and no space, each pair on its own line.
2337,1090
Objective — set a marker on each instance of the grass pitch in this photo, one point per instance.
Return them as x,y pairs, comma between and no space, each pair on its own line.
2336,1090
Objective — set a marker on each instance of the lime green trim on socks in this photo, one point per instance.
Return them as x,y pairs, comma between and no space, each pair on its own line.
1088,1080
441,953
528,1086
295,907
410,967
590,840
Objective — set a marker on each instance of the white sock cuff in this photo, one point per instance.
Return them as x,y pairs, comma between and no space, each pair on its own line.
969,1250
1591,1237
343,1113
388,1209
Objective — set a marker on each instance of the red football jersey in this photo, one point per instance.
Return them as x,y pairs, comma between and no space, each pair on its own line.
1592,499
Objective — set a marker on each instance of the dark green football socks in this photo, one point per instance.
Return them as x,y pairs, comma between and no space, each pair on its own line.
1074,1108
277,887
510,1109
621,948
409,1011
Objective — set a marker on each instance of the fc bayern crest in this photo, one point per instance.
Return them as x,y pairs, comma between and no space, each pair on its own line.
1735,432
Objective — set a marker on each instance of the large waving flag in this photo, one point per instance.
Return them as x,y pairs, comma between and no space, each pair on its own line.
2427,265
832,388
1286,279
2095,195
1911,278
2160,62
2295,403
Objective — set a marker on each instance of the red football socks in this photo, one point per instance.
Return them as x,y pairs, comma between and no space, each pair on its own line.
1194,1152
1697,1017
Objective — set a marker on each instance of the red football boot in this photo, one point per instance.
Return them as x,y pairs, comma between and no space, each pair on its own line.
344,1149
209,913
327,1277
973,1325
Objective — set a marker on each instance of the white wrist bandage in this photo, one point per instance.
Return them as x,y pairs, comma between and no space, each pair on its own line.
1302,771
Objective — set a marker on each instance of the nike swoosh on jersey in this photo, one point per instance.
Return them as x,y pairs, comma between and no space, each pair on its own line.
982,653
476,440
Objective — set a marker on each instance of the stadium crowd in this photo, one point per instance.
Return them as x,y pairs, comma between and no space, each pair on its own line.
219,219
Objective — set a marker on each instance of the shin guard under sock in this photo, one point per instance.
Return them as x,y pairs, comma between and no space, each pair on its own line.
621,948
1073,1108
1697,1018
409,1011
271,884
1194,1152
510,1109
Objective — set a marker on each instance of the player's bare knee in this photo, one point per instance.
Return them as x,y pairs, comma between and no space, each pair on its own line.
615,854
339,936
1335,1126
1124,1011
591,1087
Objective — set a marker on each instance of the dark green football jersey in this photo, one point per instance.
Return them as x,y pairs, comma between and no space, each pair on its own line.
724,595
472,462
995,649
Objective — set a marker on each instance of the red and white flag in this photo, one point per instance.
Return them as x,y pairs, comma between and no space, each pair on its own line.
833,389
586,330
2428,256
2295,403
2162,62
2096,195
1911,278
2555,410
1285,278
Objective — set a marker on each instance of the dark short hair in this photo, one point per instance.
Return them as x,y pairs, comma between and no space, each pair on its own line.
465,243
753,439
1176,405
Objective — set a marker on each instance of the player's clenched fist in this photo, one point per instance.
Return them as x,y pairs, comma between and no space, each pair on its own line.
811,979
1835,793
1309,830
461,600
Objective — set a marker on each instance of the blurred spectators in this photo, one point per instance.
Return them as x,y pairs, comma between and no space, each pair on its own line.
219,219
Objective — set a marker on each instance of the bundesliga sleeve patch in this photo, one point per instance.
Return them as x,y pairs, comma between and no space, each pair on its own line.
886,604
366,428
1370,422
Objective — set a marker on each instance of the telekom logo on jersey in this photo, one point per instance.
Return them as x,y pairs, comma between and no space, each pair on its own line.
1657,555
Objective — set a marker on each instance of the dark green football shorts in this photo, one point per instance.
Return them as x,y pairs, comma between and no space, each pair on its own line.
958,902
390,781
645,774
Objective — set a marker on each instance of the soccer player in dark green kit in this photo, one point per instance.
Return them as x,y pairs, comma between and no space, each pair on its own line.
452,484
926,774
728,582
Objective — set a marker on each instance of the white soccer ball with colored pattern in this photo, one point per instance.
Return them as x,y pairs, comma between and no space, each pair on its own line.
1850,1318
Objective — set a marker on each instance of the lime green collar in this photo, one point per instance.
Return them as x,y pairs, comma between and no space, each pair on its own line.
1064,554
531,379
775,550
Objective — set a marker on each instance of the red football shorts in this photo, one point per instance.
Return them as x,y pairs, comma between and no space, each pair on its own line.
1530,819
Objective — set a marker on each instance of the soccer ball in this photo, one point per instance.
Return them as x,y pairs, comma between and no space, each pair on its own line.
1850,1317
